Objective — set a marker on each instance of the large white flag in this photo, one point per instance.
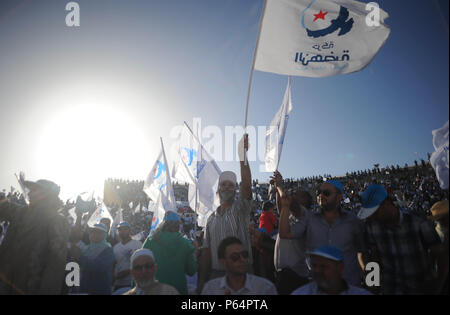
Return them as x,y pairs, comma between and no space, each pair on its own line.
319,38
100,213
276,132
158,186
440,157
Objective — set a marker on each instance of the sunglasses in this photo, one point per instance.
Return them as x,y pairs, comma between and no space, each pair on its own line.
325,192
235,256
147,266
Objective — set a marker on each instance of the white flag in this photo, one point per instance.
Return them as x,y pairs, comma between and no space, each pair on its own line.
100,213
158,186
198,168
276,132
319,38
117,219
439,159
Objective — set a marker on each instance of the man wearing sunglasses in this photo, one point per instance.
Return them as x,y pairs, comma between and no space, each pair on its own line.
331,225
143,269
237,281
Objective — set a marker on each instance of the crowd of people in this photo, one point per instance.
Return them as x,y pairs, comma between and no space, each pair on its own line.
313,235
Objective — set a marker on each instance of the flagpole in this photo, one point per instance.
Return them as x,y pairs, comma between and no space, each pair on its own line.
253,65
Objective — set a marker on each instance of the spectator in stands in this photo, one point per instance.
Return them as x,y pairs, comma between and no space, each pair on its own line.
174,254
33,253
400,241
122,253
96,262
327,265
237,281
231,218
143,268
268,221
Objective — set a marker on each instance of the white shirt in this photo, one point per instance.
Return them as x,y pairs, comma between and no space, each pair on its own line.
122,254
254,285
312,289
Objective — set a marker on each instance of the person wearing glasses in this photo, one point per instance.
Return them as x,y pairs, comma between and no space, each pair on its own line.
331,225
143,269
237,281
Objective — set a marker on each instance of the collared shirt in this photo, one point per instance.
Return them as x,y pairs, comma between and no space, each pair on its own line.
346,233
404,261
291,253
312,289
254,285
157,288
235,222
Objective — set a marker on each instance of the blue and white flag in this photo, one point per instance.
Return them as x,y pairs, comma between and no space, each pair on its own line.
319,38
100,213
197,167
117,219
158,186
276,132
440,157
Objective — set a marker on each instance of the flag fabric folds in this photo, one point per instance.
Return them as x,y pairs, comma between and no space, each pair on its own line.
318,38
440,157
158,186
276,132
196,167
100,213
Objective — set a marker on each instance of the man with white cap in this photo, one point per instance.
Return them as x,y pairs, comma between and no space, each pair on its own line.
327,266
33,253
231,218
122,253
401,242
143,269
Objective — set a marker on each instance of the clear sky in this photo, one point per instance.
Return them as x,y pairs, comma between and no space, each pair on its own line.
78,105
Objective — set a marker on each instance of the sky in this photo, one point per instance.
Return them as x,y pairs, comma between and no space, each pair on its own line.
82,104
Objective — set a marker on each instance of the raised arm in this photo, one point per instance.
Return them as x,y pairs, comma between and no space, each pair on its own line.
246,176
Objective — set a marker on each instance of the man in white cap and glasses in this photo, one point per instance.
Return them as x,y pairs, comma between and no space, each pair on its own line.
33,253
143,269
231,218
403,243
327,268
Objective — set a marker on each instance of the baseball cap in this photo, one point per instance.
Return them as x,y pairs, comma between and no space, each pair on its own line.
227,176
123,224
336,184
48,186
171,216
329,252
371,199
101,227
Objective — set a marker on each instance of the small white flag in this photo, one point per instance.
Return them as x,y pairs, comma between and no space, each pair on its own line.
100,213
319,38
440,158
158,186
276,132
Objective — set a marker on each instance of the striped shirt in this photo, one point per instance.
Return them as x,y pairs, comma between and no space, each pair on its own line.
254,285
235,222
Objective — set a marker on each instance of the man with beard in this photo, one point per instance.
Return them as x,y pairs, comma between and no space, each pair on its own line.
143,269
331,225
231,218
327,267
33,253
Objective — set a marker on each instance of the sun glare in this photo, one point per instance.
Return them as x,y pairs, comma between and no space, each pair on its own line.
83,145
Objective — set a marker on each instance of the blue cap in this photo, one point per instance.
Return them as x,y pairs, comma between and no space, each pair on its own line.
100,226
336,184
124,224
329,252
171,216
371,199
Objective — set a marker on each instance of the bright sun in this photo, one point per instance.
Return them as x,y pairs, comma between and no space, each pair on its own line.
83,145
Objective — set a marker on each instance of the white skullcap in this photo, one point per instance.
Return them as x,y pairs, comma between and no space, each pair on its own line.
227,175
141,252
